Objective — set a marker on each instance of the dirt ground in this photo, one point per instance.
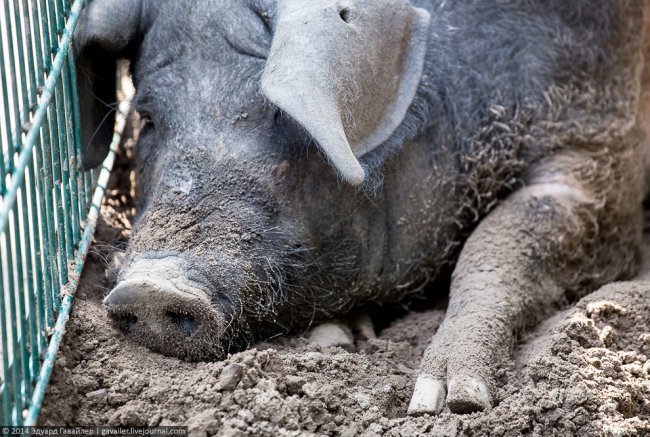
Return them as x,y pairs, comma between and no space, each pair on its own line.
583,372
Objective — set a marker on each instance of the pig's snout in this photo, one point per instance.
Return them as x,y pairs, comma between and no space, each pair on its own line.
156,304
159,306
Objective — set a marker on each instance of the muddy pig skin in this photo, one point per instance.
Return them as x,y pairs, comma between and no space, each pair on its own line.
303,158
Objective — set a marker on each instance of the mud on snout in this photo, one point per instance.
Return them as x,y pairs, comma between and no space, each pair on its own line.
158,305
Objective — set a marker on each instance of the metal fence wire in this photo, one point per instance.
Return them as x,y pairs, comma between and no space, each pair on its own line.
48,206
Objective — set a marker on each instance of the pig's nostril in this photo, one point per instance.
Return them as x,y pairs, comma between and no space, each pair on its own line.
186,323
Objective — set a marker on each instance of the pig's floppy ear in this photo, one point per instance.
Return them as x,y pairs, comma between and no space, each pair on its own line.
347,71
106,28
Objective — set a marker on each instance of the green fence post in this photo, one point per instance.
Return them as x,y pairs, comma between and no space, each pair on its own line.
44,196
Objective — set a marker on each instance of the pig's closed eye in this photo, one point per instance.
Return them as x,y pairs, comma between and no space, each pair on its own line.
265,18
279,119
247,29
144,107
146,119
147,124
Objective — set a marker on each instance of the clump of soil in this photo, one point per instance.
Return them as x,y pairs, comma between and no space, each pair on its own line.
585,371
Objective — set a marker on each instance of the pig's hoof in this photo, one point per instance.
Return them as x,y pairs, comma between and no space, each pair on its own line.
331,334
428,396
468,394
457,372
463,394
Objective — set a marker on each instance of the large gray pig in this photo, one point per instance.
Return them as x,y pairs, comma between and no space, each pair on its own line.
301,158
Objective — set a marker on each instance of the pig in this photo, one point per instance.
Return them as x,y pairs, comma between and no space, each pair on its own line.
301,159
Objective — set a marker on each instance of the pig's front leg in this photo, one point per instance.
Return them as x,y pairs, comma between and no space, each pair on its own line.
552,236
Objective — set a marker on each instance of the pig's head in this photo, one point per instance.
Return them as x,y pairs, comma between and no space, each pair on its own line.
263,119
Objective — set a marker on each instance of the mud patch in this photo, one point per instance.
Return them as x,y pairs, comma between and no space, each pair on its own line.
585,371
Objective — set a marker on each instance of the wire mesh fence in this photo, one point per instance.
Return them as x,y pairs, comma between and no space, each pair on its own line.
48,206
